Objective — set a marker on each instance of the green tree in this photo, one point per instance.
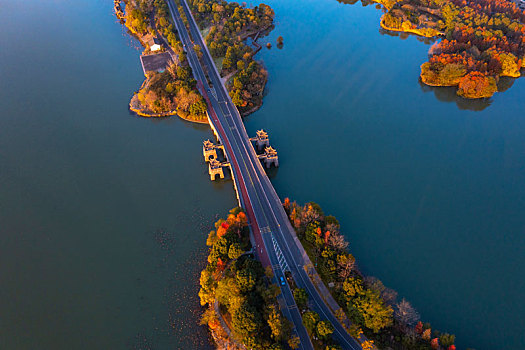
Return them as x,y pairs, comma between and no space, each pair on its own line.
246,320
199,107
235,251
246,280
301,297
310,320
324,329
207,291
447,339
183,73
375,314
228,294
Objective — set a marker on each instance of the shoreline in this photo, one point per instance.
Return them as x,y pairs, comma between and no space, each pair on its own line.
409,31
469,55
134,105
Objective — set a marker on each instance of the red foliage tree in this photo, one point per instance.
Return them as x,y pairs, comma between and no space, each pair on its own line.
419,328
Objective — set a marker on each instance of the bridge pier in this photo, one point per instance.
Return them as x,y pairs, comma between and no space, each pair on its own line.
215,168
269,157
261,139
208,150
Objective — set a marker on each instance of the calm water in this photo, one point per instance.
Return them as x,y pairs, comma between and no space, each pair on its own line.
431,195
103,215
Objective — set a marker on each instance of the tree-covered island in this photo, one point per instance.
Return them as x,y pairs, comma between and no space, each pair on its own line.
479,41
240,299
225,27
373,309
241,308
172,90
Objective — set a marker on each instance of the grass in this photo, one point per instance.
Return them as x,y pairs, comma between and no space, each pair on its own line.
218,63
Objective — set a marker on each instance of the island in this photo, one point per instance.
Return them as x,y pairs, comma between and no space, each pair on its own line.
478,41
241,302
170,88
240,299
225,27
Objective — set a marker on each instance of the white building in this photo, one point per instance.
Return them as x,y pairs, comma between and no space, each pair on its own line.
155,45
520,4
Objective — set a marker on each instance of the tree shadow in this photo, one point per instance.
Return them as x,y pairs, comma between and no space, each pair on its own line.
505,83
448,94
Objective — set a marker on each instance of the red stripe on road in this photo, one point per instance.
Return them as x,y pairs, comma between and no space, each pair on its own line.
265,260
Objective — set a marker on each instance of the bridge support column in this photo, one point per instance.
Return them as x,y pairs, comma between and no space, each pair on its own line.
214,168
208,150
269,162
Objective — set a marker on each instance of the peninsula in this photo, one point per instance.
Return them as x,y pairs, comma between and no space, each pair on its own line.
478,41
242,309
170,87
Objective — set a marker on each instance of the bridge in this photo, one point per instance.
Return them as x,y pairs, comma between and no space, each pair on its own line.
274,239
215,167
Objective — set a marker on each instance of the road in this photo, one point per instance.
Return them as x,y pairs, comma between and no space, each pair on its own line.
268,219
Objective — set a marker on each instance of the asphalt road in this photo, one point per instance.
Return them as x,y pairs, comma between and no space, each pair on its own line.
257,195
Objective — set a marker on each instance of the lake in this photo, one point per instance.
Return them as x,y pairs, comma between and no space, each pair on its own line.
104,215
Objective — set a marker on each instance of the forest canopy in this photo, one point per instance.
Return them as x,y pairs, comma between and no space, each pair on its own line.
227,25
479,40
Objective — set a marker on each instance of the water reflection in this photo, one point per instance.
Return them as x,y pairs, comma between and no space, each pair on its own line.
505,83
444,94
448,94
403,36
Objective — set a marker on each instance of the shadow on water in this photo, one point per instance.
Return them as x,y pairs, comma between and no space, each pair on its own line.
272,172
171,120
404,36
448,94
506,83
443,94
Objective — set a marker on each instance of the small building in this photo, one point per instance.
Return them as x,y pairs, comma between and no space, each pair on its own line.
155,44
520,4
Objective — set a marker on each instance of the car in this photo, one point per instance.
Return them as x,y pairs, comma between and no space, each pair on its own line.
282,281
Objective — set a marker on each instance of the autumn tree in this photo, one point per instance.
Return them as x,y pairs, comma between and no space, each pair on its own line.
324,329
310,320
477,85
294,342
